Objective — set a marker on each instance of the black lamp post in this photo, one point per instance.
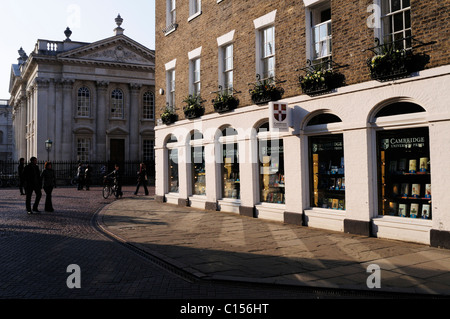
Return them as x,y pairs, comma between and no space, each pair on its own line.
48,147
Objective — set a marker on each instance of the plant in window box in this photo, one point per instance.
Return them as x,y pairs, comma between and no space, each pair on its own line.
390,63
320,81
225,101
194,107
266,90
168,116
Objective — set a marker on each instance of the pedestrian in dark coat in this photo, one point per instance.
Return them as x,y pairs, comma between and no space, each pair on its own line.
20,169
142,179
33,183
87,176
49,182
80,176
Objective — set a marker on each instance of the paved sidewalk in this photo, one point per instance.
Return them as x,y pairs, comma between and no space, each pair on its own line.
225,246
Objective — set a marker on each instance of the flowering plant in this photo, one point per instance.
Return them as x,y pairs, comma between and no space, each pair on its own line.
266,90
225,101
194,107
320,81
168,116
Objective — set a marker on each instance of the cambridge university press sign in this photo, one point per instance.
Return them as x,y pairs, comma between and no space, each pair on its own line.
279,116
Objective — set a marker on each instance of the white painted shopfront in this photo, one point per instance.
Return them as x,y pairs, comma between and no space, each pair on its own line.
338,139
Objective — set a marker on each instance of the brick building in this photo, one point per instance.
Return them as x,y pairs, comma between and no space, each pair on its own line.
340,117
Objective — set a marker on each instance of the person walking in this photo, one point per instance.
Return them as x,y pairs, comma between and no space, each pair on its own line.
87,176
33,183
49,182
20,169
142,179
80,176
117,180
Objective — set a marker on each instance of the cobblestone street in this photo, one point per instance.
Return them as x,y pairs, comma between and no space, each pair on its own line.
36,251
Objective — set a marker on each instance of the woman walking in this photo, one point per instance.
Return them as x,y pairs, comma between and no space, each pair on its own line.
142,179
49,182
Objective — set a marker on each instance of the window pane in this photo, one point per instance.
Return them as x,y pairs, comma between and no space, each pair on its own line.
271,169
230,172
198,170
407,19
398,22
404,174
327,174
406,3
173,170
395,5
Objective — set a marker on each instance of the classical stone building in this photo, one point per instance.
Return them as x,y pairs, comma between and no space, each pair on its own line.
361,147
95,101
6,132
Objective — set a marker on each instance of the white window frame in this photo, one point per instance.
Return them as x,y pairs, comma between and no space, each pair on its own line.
83,156
84,102
195,71
263,23
223,43
171,83
171,16
117,104
195,9
148,149
148,106
312,8
382,34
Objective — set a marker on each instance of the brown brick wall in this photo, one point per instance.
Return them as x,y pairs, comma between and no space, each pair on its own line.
351,36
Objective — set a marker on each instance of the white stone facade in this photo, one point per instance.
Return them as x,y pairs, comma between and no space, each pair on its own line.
68,92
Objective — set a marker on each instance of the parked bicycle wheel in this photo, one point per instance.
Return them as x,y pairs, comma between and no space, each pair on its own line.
107,191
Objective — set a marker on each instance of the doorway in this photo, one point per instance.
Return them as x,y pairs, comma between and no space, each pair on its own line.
117,151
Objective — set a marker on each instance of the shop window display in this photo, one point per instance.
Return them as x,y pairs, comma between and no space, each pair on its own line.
230,171
198,170
271,168
173,170
327,171
404,173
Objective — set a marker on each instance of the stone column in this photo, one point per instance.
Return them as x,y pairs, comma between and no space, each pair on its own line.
41,118
101,120
57,138
133,122
67,118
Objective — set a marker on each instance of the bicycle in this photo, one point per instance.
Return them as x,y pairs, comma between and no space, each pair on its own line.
109,188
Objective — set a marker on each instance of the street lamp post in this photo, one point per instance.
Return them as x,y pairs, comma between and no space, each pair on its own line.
48,147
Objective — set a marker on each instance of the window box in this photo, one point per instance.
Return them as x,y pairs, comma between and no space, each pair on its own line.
318,82
168,116
265,91
194,107
389,63
225,102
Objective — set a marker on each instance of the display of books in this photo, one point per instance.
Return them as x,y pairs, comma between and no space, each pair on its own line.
405,190
412,166
402,210
423,164
425,211
414,210
427,190
415,191
393,207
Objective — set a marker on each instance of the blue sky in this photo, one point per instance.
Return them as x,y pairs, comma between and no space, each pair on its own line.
26,21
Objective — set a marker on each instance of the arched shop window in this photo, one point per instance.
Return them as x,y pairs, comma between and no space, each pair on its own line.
271,166
198,164
172,151
403,164
230,164
326,164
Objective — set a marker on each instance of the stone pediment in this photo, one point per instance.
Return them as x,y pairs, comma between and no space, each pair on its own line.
118,49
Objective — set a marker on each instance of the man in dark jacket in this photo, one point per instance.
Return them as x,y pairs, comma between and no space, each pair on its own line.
33,182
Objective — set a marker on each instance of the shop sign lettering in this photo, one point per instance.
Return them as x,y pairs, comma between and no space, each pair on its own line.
404,142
